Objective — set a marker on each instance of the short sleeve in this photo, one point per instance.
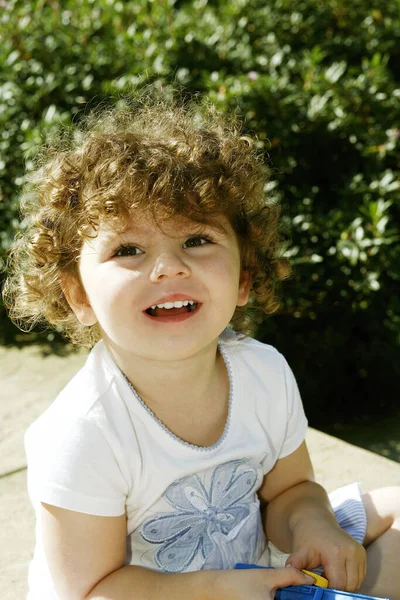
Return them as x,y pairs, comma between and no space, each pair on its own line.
296,419
75,469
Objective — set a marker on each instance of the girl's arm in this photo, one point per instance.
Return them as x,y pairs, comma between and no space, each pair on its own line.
86,555
298,519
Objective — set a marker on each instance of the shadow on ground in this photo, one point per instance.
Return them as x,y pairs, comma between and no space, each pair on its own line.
379,436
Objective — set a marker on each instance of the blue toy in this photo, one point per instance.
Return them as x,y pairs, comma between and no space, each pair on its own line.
310,592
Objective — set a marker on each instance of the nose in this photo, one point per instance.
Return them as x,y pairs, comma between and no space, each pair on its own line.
169,265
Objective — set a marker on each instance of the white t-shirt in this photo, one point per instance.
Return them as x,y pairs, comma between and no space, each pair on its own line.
99,450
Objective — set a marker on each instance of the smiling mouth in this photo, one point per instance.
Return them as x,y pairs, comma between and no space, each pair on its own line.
172,308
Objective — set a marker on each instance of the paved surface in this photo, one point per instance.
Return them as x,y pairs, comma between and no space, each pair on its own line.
30,381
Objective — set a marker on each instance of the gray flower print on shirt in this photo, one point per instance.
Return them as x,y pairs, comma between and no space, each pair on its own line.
202,515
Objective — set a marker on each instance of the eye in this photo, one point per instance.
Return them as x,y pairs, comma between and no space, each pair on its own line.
196,241
127,250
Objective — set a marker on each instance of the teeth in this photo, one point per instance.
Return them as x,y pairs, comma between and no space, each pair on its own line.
177,304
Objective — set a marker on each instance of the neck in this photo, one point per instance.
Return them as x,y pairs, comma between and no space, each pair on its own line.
173,384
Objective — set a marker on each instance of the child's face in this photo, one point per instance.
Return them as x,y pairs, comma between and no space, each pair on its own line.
125,274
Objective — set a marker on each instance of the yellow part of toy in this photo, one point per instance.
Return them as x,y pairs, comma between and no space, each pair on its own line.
319,581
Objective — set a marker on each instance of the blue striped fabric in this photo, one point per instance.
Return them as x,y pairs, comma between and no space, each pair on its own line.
349,510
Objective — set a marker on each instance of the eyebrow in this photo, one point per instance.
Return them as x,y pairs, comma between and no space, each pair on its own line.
111,236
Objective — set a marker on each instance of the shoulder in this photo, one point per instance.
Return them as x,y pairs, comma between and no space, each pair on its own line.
83,402
251,353
268,392
259,367
74,454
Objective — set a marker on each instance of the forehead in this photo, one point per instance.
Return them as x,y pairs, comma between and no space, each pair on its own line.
139,223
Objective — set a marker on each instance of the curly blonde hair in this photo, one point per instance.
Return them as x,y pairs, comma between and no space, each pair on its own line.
147,153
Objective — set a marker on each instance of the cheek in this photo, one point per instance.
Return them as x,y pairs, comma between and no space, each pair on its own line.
224,278
227,265
108,293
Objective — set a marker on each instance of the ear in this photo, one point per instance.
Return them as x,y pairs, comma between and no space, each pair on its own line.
76,297
244,288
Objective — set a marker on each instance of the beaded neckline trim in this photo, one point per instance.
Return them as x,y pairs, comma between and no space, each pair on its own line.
178,439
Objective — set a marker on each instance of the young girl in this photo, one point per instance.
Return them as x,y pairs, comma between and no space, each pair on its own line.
179,446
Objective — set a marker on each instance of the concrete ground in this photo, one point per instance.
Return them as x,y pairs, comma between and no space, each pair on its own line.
30,381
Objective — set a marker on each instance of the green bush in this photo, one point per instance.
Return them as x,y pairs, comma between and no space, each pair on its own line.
318,83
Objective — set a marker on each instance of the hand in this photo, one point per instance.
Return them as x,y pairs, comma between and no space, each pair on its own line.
257,584
325,543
